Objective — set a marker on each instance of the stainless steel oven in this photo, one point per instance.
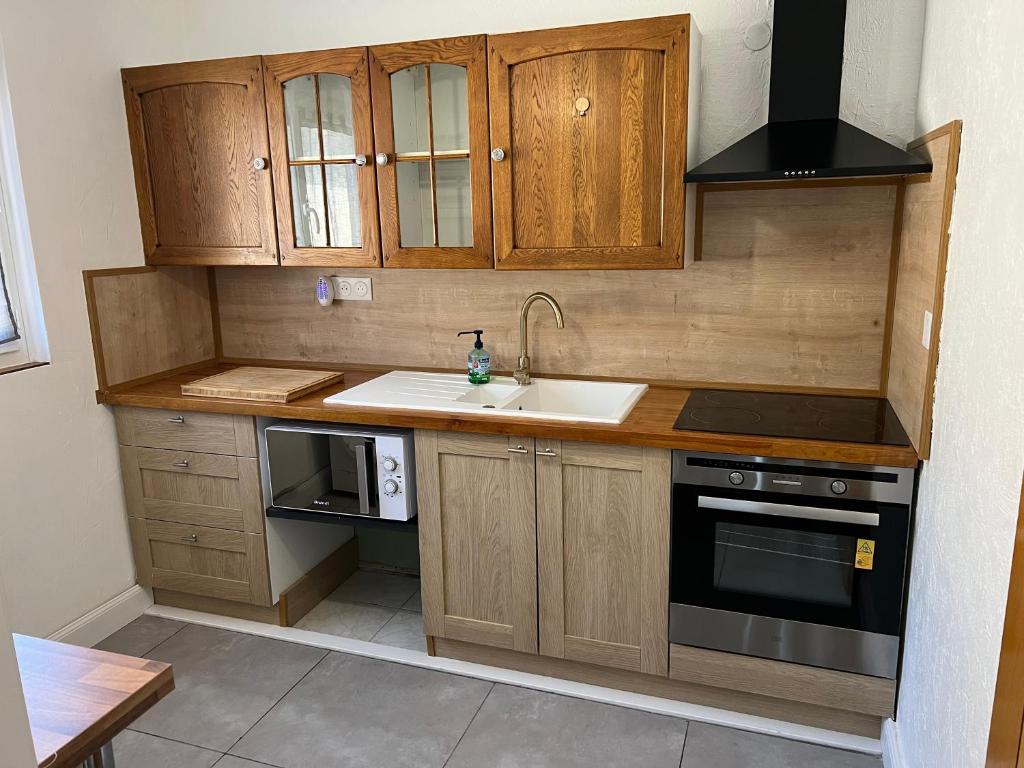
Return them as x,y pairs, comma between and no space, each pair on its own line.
320,472
794,560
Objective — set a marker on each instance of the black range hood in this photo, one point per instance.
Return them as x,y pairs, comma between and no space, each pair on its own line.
804,137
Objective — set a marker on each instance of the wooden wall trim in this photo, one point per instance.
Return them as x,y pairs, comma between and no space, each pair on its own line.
894,267
920,285
1004,739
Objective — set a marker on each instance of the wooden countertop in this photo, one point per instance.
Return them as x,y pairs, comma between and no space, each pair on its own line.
650,422
78,699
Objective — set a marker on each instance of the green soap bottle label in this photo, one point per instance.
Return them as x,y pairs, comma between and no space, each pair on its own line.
479,368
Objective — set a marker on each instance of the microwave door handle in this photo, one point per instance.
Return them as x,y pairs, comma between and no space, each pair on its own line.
361,478
789,510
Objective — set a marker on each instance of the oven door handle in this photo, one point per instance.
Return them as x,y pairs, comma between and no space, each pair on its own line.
362,479
789,510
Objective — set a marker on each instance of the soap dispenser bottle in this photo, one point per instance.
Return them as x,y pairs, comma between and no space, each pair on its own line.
478,362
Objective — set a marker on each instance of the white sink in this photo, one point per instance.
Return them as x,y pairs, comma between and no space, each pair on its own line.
562,399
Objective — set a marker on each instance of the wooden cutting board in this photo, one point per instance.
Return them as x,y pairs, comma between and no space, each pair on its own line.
271,385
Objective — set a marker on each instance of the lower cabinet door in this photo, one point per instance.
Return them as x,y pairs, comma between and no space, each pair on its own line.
229,565
603,549
477,526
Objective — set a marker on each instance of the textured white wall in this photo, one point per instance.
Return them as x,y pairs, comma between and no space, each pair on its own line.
63,543
973,69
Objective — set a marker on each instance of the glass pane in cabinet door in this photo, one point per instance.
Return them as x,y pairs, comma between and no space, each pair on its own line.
409,109
415,207
454,203
343,205
300,118
449,106
308,206
336,116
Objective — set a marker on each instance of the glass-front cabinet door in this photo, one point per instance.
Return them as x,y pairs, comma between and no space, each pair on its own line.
433,171
321,136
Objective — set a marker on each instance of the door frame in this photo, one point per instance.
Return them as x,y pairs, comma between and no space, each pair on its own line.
351,63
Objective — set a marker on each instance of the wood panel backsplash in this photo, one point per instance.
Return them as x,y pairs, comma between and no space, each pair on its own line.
791,291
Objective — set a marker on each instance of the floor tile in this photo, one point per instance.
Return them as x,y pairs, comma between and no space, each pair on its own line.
414,603
140,750
140,636
520,728
364,713
356,620
224,683
377,587
405,630
713,746
230,761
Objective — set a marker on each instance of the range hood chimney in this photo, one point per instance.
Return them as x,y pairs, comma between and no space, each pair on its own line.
804,137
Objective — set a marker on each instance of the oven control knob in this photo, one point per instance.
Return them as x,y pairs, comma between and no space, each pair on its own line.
390,487
390,463
838,487
736,478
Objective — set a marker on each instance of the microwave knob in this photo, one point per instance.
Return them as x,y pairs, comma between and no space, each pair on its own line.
736,478
838,487
390,487
390,463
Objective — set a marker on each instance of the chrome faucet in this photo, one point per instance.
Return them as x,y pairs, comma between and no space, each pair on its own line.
522,371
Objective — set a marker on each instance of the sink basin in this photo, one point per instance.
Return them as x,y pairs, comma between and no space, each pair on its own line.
561,399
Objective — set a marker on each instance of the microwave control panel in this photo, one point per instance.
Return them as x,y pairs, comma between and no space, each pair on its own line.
395,481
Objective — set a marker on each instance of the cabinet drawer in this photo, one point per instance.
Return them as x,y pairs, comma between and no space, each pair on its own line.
193,488
230,565
220,433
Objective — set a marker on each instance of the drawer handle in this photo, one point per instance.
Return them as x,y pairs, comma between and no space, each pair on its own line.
182,464
518,449
177,419
547,452
193,539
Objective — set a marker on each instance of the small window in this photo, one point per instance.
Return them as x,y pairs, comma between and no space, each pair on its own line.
22,335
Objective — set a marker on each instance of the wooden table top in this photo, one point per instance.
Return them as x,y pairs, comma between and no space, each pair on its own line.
650,422
78,698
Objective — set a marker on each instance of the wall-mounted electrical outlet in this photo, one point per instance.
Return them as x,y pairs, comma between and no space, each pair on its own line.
334,288
926,331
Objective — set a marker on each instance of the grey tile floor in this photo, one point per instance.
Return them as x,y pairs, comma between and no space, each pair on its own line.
372,605
249,702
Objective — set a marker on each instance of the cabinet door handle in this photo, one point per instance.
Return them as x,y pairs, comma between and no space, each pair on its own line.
259,163
177,419
547,452
497,154
182,464
360,160
519,449
383,159
193,539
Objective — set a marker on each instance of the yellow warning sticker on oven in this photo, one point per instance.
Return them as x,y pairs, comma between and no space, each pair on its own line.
865,559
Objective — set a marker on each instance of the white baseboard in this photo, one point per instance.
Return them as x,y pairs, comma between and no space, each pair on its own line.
892,751
105,619
639,701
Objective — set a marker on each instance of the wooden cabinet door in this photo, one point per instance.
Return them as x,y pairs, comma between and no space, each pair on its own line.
321,136
198,134
603,553
592,124
430,131
477,525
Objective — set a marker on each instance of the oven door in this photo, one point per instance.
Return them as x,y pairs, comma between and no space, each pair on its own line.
797,578
324,471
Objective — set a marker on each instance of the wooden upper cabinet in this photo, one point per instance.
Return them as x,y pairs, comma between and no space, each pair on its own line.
321,136
430,132
592,124
602,543
198,134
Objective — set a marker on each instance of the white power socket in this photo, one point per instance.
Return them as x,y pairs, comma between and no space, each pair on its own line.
348,289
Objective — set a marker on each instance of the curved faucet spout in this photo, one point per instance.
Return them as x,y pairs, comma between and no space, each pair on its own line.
522,371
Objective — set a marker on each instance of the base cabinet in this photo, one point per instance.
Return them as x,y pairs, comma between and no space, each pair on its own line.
478,534
602,539
543,546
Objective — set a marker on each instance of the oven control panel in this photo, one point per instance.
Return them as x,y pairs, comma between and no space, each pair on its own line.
791,476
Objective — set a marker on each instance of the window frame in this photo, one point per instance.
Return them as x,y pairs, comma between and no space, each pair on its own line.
16,250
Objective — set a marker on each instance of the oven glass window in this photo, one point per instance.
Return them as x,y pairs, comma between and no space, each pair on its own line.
322,472
791,565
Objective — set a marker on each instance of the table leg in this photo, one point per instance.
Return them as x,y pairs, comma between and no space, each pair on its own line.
102,759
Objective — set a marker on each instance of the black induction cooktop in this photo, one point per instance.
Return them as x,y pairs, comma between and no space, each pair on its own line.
774,414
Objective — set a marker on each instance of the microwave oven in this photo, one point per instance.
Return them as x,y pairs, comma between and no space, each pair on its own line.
332,472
